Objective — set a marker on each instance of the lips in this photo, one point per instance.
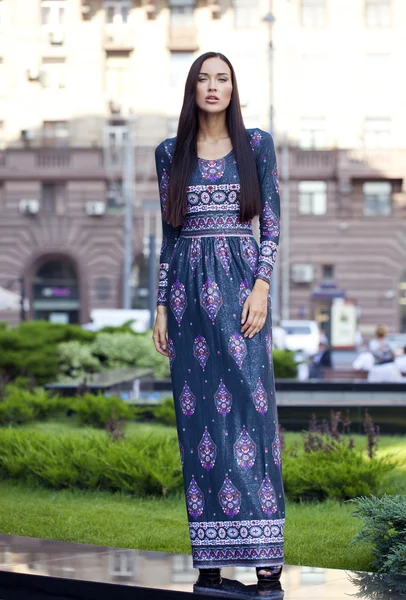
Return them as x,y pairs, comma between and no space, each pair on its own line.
212,98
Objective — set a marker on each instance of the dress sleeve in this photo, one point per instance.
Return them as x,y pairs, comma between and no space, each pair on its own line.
170,234
269,219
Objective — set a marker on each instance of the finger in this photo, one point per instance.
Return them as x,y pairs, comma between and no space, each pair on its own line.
244,311
163,343
253,325
247,323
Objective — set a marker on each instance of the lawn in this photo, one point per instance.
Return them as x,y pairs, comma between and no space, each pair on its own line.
316,535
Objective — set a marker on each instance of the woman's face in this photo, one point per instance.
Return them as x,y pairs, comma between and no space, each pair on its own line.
214,86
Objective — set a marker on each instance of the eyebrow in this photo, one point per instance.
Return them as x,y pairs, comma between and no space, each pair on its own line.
217,74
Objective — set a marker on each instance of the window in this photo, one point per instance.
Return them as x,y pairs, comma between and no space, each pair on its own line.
53,13
115,138
313,13
52,198
246,14
312,133
377,198
179,68
122,564
182,16
53,73
328,271
312,197
117,11
55,133
377,133
378,13
117,78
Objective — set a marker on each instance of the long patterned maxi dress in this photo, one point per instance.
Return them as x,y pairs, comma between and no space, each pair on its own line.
223,383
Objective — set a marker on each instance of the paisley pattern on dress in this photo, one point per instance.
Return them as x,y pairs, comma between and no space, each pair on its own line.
187,401
171,352
201,351
177,300
245,450
244,291
260,398
223,399
230,498
195,253
271,222
276,449
249,252
222,252
267,497
268,344
237,348
207,451
211,299
194,499
212,170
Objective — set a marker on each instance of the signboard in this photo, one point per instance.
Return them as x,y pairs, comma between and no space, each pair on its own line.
343,323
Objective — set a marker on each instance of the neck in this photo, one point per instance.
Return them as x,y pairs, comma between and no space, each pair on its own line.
212,127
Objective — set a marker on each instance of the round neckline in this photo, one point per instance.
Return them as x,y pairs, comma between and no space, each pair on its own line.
216,159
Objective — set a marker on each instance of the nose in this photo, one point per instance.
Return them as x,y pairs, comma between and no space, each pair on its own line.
212,87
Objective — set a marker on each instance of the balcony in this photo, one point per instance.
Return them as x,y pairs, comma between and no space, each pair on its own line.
119,39
183,39
305,164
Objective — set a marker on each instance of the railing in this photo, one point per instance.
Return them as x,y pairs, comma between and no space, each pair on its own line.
53,159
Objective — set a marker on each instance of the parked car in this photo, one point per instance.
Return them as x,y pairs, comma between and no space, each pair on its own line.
302,335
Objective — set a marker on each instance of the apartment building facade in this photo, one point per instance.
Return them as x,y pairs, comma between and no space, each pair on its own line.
338,96
75,73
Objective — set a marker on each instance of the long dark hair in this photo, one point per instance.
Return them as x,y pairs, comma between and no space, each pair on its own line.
185,153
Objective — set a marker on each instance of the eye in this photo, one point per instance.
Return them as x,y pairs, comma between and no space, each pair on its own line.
222,79
202,78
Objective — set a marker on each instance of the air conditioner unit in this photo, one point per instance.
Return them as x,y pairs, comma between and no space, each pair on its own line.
95,209
302,273
56,37
29,207
27,134
33,73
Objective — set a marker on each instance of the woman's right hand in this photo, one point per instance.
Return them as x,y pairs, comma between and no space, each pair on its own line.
160,332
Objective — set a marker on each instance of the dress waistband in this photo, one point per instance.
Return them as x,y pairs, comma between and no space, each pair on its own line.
214,225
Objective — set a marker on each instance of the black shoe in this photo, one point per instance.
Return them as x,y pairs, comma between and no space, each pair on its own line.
209,579
269,581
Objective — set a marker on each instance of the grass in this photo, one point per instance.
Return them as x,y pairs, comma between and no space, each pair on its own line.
316,535
120,521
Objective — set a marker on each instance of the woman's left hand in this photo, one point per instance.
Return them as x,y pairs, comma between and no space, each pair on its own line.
255,309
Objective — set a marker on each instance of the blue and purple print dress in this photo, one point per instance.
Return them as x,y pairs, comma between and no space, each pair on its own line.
223,383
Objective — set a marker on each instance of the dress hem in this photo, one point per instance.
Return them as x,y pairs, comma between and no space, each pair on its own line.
238,563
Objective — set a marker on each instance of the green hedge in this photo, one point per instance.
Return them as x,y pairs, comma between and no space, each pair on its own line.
50,351
340,474
147,465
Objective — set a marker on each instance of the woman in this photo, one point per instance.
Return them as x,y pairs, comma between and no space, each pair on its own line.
214,323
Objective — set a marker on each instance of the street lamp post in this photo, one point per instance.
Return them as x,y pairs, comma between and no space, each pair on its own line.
270,19
129,194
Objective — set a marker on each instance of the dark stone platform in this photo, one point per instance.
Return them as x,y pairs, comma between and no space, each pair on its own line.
35,569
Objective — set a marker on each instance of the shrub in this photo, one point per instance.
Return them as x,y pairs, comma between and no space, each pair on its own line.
284,364
340,474
384,531
97,411
146,465
76,359
31,349
21,405
330,467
